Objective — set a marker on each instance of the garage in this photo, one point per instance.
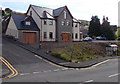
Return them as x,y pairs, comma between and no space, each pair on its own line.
65,36
29,37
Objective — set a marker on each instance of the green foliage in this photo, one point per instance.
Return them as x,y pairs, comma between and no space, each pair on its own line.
3,13
118,49
8,10
80,52
94,27
117,33
106,30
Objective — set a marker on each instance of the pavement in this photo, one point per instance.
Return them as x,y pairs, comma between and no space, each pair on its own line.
59,62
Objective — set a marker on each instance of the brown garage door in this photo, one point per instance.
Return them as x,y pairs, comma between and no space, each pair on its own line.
29,37
65,36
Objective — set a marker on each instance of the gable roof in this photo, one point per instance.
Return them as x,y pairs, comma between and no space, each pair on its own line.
58,11
19,18
42,12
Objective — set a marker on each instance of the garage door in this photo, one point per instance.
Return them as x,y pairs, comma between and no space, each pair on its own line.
65,36
29,37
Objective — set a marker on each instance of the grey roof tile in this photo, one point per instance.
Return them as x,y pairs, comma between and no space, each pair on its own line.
18,18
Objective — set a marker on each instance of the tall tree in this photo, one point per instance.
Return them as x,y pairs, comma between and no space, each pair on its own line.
94,27
3,13
8,10
106,30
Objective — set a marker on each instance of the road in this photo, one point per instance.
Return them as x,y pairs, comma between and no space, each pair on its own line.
33,69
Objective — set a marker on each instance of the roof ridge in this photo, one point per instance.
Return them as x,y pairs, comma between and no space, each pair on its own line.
36,5
59,7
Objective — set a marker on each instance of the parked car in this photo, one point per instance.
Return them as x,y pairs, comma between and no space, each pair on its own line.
101,38
87,39
118,38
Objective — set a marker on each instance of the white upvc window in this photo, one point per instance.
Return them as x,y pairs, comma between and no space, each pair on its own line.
50,22
65,15
68,23
62,23
27,23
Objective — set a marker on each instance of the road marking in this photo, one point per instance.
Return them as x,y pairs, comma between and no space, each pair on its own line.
91,67
65,69
13,70
89,81
56,70
113,75
48,61
36,72
24,74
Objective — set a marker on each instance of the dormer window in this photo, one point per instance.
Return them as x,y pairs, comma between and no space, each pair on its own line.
65,15
27,23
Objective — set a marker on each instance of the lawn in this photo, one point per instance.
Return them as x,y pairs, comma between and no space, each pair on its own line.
81,52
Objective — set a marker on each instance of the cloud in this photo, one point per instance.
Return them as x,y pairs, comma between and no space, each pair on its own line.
3,7
21,11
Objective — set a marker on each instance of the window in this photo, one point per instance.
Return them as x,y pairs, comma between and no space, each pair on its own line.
72,36
27,23
45,35
51,35
76,35
30,13
50,22
68,23
76,25
45,21
62,23
65,15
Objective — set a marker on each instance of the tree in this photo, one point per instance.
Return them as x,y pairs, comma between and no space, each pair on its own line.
94,27
3,13
106,29
117,33
8,11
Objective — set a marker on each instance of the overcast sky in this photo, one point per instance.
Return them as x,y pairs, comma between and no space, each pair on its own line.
80,9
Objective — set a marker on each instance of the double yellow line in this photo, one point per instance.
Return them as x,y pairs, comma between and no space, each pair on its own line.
13,70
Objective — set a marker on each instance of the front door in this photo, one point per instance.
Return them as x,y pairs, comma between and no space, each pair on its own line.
65,36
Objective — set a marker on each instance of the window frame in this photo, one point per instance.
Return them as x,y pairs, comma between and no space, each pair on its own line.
62,23
45,21
50,35
76,35
27,23
68,23
65,15
50,22
45,35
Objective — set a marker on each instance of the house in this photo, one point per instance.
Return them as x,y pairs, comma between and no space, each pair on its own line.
41,24
77,34
45,21
24,28
84,27
63,24
54,24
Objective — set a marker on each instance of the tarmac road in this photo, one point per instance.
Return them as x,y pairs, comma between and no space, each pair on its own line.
33,69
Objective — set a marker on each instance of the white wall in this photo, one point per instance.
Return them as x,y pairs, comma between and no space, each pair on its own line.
76,30
11,29
48,28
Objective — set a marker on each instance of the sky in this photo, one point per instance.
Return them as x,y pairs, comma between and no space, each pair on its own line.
80,9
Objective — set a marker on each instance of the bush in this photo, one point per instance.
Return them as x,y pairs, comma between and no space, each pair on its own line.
80,52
